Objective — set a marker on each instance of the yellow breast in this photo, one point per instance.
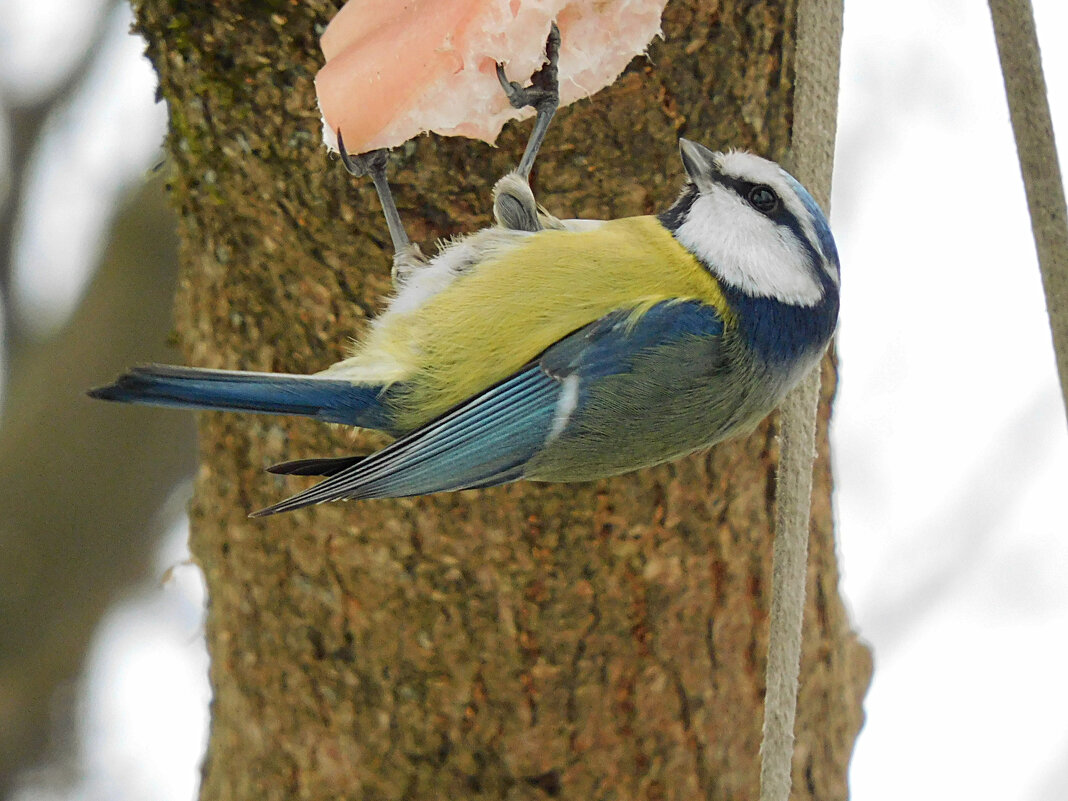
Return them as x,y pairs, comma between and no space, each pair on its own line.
494,319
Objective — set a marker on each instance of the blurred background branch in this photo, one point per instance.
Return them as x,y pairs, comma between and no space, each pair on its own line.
80,482
26,118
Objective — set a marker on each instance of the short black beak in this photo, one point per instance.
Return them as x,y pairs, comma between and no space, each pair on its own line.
699,161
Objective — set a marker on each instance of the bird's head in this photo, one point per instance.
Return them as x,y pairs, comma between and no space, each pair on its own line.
755,227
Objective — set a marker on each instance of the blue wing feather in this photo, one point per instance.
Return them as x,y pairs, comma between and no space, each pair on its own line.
609,345
491,437
483,442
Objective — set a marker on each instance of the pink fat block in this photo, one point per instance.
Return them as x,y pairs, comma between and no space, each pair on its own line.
398,68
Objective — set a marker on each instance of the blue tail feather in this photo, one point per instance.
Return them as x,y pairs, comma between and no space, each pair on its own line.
481,443
326,399
324,466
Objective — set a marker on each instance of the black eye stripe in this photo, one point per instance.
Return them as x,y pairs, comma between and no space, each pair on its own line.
763,198
748,191
679,212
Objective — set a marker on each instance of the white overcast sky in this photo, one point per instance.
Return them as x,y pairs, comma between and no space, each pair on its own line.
950,441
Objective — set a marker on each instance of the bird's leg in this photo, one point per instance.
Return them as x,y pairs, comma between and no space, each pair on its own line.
406,256
543,95
514,206
373,163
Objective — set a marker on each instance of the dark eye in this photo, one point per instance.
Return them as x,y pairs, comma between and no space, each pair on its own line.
763,198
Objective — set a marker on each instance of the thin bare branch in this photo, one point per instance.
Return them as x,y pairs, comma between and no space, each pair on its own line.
819,40
1025,86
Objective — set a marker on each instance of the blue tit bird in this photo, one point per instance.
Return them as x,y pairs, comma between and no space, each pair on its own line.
558,350
552,350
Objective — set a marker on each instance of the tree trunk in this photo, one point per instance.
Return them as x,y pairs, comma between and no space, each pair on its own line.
601,640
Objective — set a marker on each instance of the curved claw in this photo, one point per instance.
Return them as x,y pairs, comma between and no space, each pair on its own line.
512,89
544,84
552,49
364,163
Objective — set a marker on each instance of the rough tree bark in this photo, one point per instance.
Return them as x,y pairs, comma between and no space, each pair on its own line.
603,640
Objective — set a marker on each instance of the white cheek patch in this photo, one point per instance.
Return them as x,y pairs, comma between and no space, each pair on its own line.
746,166
748,250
